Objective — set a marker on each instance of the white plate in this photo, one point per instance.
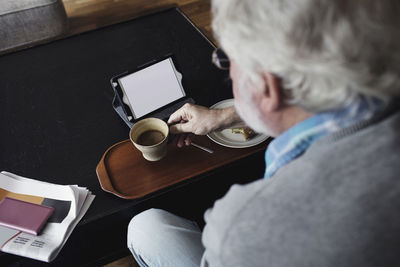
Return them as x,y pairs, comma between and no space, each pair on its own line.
229,139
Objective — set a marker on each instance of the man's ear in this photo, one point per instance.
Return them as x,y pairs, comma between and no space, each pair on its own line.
272,95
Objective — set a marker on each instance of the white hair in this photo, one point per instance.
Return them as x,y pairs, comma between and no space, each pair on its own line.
326,52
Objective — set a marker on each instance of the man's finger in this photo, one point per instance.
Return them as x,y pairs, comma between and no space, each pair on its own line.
180,128
181,140
188,140
177,116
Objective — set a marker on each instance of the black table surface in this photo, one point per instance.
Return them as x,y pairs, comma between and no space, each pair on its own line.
57,119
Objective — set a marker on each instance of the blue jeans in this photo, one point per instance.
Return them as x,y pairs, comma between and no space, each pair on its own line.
159,238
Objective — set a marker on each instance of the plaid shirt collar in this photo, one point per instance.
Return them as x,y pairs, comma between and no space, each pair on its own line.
295,141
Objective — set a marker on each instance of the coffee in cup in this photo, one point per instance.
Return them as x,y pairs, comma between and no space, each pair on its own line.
150,136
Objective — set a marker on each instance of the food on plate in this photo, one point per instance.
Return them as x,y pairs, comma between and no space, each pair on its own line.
247,132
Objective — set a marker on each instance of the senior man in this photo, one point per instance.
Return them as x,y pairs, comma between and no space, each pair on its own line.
323,77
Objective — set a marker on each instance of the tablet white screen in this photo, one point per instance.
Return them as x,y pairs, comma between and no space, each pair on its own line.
152,87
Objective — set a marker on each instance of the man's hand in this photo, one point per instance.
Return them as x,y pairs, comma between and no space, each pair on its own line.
191,119
199,120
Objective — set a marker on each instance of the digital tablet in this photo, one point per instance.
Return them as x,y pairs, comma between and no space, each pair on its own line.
151,90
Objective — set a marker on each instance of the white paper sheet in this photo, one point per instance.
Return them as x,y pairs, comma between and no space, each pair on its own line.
47,245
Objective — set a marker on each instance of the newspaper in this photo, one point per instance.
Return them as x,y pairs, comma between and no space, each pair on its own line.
70,203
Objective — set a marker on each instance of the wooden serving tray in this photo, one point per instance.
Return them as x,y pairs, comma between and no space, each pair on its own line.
124,172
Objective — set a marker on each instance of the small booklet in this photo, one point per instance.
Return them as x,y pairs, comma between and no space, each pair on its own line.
24,216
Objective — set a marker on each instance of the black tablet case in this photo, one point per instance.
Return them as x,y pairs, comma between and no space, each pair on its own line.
163,113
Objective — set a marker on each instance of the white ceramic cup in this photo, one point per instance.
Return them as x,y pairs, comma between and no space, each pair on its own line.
151,151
